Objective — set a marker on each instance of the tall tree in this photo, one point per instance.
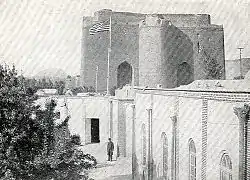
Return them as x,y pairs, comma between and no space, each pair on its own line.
19,132
27,136
214,69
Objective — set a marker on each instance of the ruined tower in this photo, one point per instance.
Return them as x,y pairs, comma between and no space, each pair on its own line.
163,49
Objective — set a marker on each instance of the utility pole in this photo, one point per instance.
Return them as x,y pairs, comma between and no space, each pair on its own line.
240,48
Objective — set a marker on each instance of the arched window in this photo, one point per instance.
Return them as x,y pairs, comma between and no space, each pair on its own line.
164,154
144,145
192,160
225,168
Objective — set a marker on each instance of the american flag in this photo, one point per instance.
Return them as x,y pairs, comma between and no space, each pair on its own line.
99,27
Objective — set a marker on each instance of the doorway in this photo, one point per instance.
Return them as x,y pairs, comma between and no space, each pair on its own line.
95,131
124,74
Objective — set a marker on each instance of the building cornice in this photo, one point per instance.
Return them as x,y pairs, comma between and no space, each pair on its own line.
235,96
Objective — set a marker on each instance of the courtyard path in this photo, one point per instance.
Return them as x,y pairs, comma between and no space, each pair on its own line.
115,170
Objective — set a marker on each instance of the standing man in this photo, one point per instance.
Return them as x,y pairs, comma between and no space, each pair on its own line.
110,149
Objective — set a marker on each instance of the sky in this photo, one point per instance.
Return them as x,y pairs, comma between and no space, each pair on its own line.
39,34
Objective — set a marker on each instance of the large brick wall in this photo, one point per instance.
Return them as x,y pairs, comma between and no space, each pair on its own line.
188,20
163,48
141,45
124,45
210,40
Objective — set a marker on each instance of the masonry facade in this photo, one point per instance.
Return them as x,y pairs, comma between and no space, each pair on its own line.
206,134
149,50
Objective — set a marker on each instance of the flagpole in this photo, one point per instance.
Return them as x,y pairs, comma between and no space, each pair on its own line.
96,79
109,51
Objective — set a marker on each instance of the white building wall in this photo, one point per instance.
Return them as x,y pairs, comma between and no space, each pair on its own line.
223,135
222,131
129,126
81,110
142,103
162,111
163,107
99,108
122,127
189,125
76,121
115,125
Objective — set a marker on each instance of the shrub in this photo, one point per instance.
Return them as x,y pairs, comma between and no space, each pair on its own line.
67,165
75,139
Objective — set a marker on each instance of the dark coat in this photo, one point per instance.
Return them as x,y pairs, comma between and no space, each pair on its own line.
110,147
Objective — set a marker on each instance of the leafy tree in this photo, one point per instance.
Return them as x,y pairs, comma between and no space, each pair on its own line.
44,83
33,85
27,136
60,86
214,69
50,84
20,133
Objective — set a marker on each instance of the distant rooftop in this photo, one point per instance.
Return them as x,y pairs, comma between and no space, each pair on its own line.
46,92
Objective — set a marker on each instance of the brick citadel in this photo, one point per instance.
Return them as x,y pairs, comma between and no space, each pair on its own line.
150,50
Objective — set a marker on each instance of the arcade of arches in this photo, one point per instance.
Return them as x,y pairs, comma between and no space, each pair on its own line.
225,162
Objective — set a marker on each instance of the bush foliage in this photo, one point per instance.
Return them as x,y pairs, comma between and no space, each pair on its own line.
27,136
75,139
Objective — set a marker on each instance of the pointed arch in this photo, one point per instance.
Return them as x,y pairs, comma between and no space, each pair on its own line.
225,167
124,74
192,160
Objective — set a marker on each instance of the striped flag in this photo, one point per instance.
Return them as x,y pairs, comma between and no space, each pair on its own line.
99,27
